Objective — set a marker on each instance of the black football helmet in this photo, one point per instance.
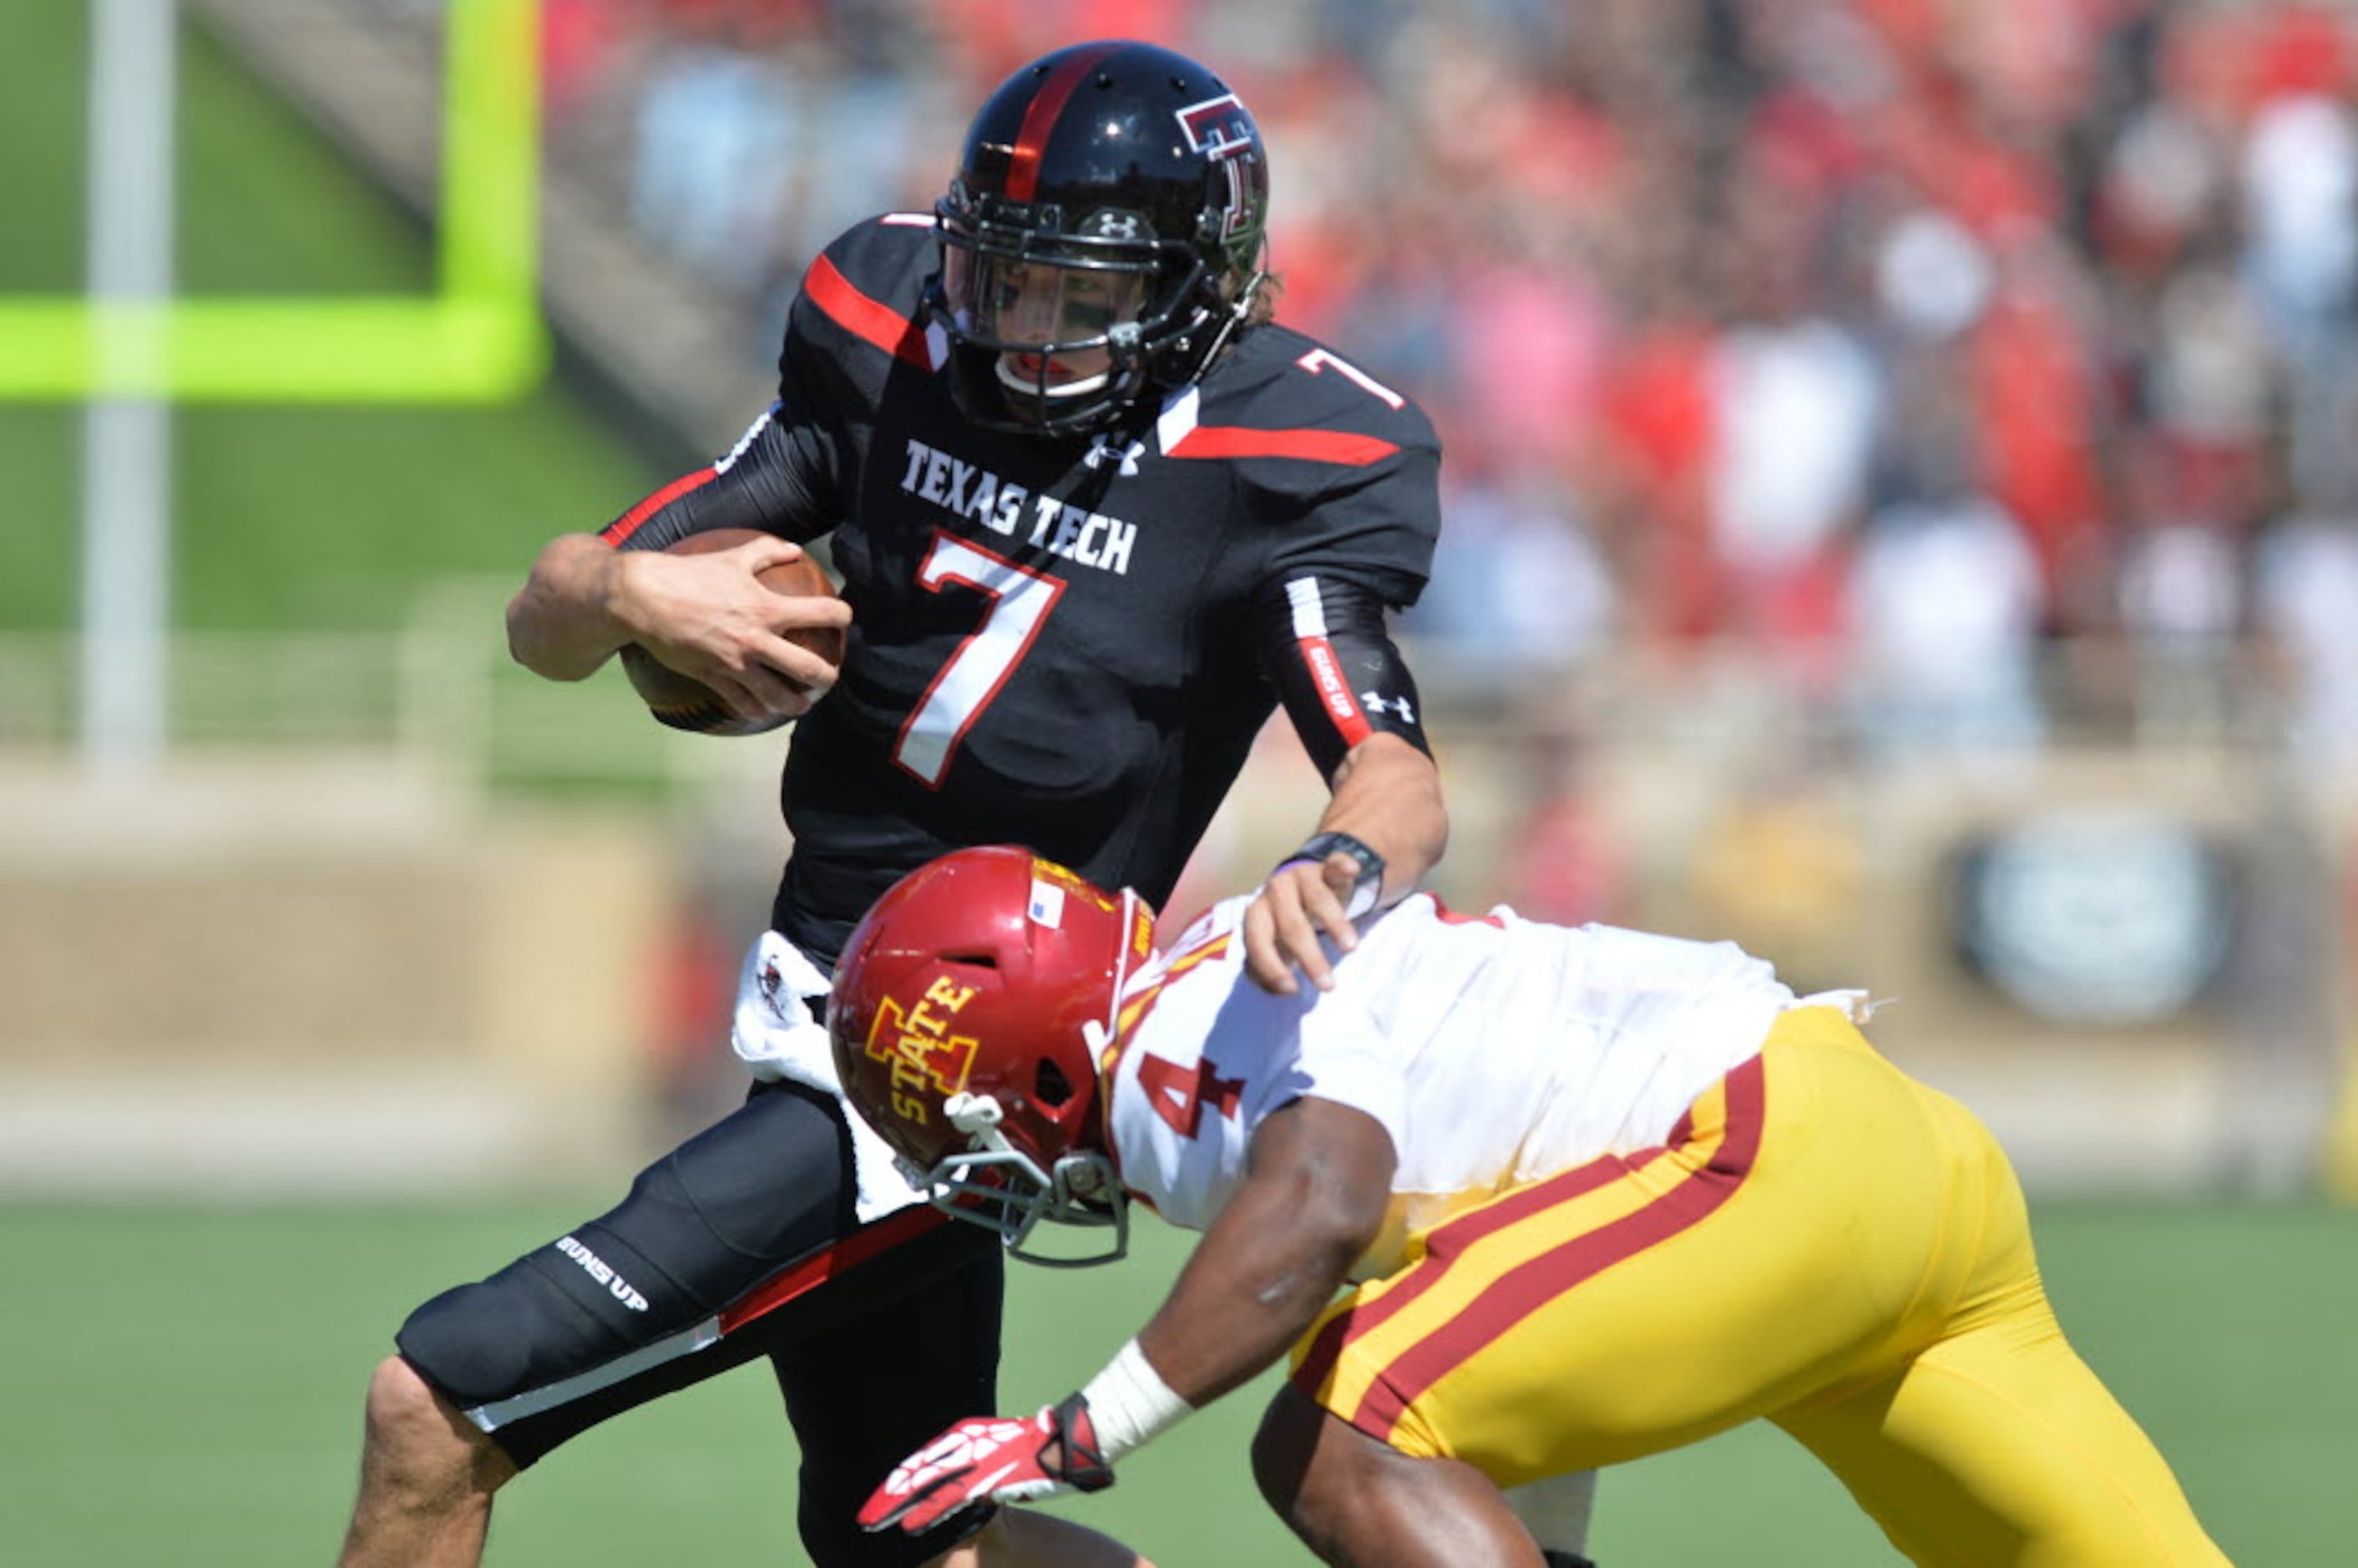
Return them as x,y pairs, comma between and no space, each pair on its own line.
1111,197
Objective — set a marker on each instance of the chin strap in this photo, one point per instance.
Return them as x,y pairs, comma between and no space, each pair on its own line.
977,1116
1237,313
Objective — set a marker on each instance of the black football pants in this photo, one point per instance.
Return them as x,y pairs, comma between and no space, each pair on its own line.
740,1243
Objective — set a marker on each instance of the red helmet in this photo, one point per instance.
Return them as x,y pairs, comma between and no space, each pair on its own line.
967,1016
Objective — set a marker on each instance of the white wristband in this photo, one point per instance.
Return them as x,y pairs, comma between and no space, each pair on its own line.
1130,1403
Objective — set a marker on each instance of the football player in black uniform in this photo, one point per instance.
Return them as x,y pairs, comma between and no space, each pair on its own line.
1096,517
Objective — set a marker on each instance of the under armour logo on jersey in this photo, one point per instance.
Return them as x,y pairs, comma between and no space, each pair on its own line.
1378,703
1103,451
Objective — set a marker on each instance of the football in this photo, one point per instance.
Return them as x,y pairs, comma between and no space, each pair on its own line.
684,703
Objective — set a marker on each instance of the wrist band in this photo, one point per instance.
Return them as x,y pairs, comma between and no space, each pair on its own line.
1367,888
1130,1403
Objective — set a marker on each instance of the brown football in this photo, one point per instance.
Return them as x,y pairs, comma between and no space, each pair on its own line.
685,703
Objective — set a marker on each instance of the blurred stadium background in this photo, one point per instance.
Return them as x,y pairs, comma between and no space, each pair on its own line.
1903,515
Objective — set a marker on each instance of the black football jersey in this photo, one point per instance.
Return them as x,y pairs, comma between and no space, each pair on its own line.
1059,642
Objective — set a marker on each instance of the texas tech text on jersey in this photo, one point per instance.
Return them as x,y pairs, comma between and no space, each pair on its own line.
1161,549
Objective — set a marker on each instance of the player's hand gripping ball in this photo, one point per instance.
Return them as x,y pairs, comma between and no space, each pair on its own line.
684,702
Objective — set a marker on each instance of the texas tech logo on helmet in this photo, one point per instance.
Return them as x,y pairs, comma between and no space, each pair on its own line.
1217,127
1220,130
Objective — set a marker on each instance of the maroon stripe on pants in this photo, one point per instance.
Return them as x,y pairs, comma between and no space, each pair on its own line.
1530,1285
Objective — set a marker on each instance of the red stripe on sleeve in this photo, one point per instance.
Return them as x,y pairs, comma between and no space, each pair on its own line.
799,1279
1334,691
864,317
622,527
1311,446
1039,119
1523,1290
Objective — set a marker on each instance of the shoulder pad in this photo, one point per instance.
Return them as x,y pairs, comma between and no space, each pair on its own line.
869,284
887,254
1281,394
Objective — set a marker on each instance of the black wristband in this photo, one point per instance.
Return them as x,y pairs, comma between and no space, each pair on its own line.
1367,888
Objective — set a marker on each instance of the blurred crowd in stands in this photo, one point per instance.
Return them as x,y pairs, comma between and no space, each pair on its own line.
1900,344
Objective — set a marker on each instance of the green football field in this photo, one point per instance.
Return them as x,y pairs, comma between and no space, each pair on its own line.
183,1387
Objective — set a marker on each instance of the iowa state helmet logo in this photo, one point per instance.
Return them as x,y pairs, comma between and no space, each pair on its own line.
928,1062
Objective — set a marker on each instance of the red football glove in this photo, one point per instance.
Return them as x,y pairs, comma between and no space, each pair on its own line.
991,1459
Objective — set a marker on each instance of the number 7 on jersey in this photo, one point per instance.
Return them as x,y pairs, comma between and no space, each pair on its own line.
974,673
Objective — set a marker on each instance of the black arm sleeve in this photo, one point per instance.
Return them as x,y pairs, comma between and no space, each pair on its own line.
761,483
1325,647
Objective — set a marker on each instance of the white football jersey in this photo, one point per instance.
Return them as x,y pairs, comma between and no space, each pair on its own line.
1495,1051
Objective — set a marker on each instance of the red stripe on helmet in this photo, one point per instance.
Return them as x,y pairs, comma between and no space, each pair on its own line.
1039,119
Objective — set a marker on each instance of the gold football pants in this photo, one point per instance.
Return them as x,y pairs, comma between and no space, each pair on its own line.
1822,1241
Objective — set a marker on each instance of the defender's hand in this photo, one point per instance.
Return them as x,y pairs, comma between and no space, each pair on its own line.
991,1459
1301,901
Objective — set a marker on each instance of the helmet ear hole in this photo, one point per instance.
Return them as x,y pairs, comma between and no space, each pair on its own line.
1051,1086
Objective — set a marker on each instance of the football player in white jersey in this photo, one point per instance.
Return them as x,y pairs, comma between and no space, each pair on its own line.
1522,1200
